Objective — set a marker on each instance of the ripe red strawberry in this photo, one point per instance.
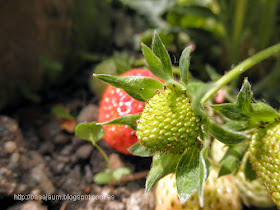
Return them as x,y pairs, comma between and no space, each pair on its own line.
116,103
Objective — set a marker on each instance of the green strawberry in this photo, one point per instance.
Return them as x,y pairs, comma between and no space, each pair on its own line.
265,158
219,193
251,192
168,123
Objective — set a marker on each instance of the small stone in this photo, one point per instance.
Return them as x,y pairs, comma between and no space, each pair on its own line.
67,150
10,146
33,205
116,161
39,175
88,114
140,200
116,205
88,174
61,139
14,159
84,151
46,148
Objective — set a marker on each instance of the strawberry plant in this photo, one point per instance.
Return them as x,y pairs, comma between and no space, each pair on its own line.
176,126
117,103
219,194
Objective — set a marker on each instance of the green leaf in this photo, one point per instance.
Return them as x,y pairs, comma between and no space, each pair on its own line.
104,177
244,98
140,88
232,160
161,52
188,174
139,150
89,131
129,120
250,174
214,76
225,135
120,172
163,164
108,175
184,64
61,112
204,165
230,111
196,91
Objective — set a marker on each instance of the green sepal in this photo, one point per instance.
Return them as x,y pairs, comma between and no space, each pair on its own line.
160,51
237,125
129,120
188,174
162,165
140,150
184,64
154,63
204,166
196,91
264,113
156,67
224,134
138,87
244,97
232,160
250,174
89,131
230,111
245,110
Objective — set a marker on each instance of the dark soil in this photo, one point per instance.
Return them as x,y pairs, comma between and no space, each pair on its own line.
39,157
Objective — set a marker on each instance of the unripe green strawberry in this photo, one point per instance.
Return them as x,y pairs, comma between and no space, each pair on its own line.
265,157
219,193
252,193
168,123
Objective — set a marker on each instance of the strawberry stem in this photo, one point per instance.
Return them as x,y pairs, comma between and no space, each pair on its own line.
239,69
103,154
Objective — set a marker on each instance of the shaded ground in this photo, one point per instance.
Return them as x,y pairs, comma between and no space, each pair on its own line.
39,157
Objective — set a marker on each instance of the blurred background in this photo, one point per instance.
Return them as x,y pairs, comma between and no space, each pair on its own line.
49,50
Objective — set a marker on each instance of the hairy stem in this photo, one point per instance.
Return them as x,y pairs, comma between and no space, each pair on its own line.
239,69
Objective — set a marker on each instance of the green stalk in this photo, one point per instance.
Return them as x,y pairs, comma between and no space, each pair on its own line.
103,154
241,68
267,22
237,28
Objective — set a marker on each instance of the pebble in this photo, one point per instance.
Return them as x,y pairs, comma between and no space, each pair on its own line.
67,150
84,151
88,114
116,161
39,175
33,205
62,139
140,200
10,146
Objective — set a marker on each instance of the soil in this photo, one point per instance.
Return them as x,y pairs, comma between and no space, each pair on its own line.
40,157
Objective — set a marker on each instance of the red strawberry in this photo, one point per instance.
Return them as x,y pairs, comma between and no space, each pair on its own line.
116,103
